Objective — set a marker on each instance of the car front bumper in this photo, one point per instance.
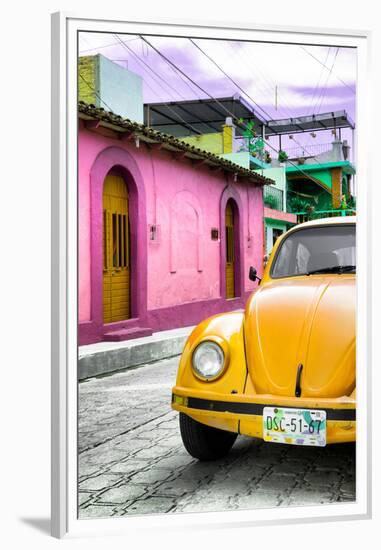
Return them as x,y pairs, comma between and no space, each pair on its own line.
243,414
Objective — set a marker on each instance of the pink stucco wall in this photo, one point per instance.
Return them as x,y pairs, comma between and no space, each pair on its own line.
279,215
184,202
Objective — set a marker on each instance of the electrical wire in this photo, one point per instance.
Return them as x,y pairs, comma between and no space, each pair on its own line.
141,61
318,82
353,90
178,74
327,80
95,92
234,117
106,45
243,91
230,78
290,115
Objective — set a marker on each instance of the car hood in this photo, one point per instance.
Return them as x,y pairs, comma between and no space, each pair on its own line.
309,321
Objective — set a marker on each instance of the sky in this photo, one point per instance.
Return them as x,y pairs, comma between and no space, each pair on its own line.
278,80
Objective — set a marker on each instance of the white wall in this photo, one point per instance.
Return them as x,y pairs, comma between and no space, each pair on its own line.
25,356
121,89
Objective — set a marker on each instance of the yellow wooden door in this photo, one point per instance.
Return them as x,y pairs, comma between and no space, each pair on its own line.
116,265
229,232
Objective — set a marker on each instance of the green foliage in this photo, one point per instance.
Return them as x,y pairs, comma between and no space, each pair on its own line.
249,131
343,204
270,201
254,144
297,204
282,156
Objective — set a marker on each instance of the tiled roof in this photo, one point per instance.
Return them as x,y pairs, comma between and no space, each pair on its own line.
170,143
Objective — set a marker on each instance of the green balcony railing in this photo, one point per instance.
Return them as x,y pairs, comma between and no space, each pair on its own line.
273,197
319,214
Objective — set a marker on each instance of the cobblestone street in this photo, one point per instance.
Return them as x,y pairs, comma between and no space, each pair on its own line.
132,461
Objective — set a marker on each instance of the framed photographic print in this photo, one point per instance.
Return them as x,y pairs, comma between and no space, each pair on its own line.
211,277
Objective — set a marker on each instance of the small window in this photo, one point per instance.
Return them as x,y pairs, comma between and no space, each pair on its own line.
276,233
214,234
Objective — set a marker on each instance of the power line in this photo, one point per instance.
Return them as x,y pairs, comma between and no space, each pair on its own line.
286,110
243,91
152,70
242,58
95,92
318,82
188,77
230,78
175,71
189,125
140,60
353,90
234,117
326,82
106,46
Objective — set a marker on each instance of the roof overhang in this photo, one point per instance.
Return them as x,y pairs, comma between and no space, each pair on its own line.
345,165
324,121
95,118
200,116
203,116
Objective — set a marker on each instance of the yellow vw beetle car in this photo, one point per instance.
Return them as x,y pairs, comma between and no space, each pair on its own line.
284,370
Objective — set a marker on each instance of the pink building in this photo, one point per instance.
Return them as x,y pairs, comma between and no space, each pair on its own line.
167,232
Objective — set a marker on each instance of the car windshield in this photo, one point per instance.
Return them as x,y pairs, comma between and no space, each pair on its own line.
313,250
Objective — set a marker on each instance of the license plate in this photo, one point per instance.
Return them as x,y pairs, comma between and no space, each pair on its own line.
295,426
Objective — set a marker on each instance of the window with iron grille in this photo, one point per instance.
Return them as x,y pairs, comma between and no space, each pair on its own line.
119,240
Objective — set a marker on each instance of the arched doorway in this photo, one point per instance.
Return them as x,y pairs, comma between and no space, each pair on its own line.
117,161
230,250
116,250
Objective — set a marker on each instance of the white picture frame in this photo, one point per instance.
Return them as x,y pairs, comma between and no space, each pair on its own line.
64,277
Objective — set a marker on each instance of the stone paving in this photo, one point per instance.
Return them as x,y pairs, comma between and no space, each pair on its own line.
132,461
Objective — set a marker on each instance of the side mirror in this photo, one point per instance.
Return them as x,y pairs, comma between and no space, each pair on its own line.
253,274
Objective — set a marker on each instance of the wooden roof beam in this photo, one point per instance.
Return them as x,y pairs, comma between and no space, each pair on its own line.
179,155
92,124
127,136
199,162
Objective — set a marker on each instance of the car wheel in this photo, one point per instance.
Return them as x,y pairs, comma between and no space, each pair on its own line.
204,442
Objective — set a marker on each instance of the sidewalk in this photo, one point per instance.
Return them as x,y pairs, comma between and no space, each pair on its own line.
107,357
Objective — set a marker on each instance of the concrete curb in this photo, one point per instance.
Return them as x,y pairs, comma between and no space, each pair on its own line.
109,357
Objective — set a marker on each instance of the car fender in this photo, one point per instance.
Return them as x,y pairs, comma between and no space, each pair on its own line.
227,327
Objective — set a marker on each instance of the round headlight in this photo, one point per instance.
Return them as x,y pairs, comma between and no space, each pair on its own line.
208,360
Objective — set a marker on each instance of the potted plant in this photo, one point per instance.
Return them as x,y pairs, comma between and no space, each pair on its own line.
282,156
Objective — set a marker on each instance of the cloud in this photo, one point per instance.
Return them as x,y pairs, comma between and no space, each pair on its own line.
294,73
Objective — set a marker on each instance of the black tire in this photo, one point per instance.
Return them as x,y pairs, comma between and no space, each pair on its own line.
204,442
